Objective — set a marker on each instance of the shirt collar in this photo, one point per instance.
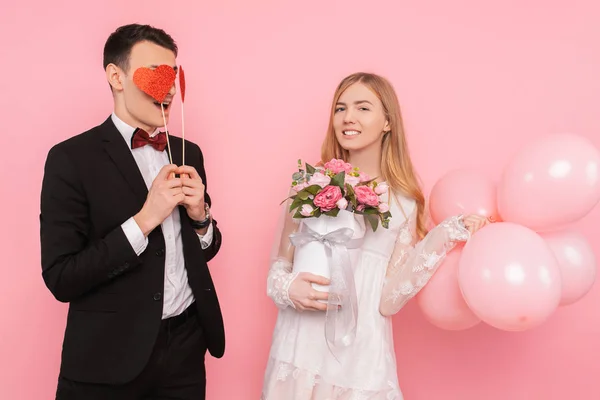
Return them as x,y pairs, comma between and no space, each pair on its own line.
126,130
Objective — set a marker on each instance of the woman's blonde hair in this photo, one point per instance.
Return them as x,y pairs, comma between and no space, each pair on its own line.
396,166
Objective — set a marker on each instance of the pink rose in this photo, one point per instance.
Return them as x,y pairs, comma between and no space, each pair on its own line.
352,180
361,207
342,203
363,177
336,166
306,210
365,195
319,179
327,198
384,207
299,187
381,188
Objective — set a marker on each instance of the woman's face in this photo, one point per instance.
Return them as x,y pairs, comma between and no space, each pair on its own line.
359,120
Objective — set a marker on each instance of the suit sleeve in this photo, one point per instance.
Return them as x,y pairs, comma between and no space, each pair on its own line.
215,244
72,264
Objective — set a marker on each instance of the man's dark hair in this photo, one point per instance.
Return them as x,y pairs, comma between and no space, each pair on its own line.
119,44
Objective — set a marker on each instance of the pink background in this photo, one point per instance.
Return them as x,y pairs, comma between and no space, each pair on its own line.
475,80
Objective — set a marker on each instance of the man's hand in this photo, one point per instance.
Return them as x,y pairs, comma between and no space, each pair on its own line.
193,189
164,195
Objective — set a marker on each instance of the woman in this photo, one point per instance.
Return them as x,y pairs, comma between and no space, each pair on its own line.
390,266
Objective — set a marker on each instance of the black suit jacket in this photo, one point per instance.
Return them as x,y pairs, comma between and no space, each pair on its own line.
91,186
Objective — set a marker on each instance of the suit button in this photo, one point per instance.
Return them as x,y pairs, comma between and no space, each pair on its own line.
160,252
157,296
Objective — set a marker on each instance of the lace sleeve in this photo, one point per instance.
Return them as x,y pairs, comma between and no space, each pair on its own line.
412,264
280,275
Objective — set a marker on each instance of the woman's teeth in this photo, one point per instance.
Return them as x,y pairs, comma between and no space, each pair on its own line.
351,133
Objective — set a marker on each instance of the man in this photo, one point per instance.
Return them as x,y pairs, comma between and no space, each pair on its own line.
125,240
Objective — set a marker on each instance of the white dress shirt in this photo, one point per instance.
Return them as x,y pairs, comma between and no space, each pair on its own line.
177,294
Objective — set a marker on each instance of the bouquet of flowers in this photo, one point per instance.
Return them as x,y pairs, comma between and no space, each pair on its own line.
331,201
338,186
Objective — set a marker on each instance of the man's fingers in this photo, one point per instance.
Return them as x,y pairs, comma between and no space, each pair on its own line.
166,171
195,183
173,183
177,197
189,191
176,191
191,171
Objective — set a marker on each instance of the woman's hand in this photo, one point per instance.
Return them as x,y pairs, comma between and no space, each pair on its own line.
304,296
475,222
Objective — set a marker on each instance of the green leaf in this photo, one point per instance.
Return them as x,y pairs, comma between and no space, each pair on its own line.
317,213
338,180
373,220
310,169
303,194
371,211
333,213
287,198
351,195
296,203
313,189
366,182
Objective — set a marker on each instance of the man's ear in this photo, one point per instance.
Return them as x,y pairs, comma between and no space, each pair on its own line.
114,76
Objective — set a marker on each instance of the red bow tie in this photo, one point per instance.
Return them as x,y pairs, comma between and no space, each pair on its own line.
141,138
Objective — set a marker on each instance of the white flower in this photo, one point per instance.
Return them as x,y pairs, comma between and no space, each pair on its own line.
306,210
319,179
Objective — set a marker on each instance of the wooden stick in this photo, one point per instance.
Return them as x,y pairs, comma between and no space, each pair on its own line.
182,136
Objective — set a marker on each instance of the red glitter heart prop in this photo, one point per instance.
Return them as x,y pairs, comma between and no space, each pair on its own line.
156,83
182,83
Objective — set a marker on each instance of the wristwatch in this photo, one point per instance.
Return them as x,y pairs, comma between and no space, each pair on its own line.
205,222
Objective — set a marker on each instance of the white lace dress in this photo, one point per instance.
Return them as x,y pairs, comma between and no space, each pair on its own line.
389,269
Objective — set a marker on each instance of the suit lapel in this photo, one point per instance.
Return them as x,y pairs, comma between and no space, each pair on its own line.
121,155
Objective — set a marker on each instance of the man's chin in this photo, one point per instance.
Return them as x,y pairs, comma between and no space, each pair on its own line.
160,123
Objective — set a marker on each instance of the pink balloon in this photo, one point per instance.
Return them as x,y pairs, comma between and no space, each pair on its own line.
550,183
509,277
442,302
576,262
463,191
